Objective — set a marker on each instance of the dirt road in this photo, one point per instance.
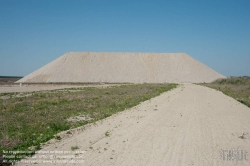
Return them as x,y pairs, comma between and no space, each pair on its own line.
190,125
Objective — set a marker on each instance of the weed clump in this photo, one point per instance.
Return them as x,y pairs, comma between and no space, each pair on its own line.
73,148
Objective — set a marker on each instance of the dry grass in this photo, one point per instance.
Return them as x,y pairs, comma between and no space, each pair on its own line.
236,87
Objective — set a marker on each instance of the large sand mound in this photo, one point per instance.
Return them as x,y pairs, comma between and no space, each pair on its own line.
94,67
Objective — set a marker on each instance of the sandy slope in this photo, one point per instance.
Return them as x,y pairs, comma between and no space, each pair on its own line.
190,125
123,67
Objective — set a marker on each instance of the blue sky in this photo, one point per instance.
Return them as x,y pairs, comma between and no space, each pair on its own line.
35,32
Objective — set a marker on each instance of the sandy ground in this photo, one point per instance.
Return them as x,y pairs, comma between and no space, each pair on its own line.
190,125
44,87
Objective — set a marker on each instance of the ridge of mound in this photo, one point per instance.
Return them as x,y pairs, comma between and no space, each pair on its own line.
119,67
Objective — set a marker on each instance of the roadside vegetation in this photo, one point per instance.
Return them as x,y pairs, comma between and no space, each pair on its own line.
236,87
29,119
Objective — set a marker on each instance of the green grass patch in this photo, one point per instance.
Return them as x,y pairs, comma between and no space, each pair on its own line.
36,118
73,148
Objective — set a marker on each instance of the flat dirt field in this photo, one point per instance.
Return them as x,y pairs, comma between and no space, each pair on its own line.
190,125
41,87
8,85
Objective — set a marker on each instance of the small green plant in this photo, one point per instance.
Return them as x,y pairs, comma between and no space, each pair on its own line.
107,133
73,148
42,95
38,147
68,132
58,137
